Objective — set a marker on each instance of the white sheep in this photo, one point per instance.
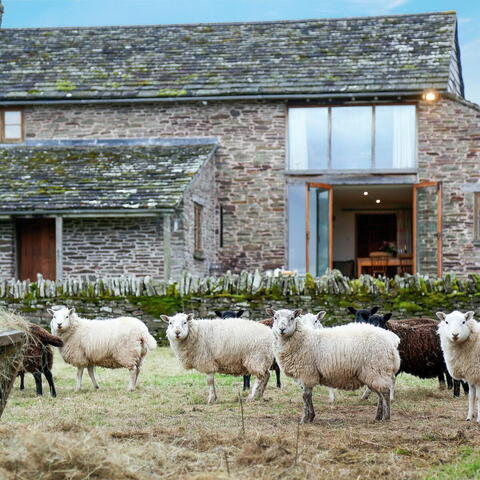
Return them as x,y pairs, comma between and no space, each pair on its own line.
233,346
313,321
117,343
346,357
460,342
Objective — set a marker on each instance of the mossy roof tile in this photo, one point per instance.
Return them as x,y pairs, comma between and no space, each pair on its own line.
86,177
364,54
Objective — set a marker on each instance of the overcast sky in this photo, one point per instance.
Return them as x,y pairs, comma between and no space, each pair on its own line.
55,13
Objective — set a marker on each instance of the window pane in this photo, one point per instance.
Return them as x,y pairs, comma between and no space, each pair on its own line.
308,138
395,136
13,132
296,227
13,118
351,137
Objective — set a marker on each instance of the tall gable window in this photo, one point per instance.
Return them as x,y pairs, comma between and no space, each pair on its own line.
198,246
11,126
375,137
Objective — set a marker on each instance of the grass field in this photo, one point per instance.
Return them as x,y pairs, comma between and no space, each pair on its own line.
166,430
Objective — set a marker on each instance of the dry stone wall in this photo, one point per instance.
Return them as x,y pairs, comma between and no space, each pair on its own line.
7,249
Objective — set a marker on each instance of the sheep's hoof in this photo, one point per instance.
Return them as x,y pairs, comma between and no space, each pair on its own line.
211,401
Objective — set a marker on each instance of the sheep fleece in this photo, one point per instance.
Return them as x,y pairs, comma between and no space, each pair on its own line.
232,346
116,343
345,357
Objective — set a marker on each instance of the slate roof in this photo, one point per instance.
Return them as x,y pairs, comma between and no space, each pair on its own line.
97,177
363,54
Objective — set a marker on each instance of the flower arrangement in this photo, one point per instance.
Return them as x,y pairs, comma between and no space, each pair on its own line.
388,247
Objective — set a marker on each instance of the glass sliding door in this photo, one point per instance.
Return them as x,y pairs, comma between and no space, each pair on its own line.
318,228
427,228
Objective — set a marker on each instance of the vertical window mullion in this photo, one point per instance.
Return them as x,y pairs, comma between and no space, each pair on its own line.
329,142
374,160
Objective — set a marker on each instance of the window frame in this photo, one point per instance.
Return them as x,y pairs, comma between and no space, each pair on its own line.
197,228
2,126
373,162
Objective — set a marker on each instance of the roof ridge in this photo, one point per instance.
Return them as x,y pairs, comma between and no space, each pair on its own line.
256,22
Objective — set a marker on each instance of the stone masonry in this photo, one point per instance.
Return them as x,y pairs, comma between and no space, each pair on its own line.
7,249
449,151
249,163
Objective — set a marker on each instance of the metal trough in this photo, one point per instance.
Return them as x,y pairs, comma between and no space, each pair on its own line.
11,343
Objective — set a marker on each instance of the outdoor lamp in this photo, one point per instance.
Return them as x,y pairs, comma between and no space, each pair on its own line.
430,96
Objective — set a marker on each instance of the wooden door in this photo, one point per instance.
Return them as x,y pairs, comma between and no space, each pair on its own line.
318,228
427,228
36,248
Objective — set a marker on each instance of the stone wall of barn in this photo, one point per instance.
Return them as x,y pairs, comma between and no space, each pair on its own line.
7,249
110,247
249,162
449,151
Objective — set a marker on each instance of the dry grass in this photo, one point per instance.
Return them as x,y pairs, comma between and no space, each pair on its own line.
165,430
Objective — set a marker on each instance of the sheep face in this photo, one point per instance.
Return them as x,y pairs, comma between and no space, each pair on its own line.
376,320
229,314
360,314
284,321
311,320
178,325
456,326
61,320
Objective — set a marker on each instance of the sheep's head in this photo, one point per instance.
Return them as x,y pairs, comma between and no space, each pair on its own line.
360,314
456,326
376,320
284,321
62,319
311,320
178,325
229,314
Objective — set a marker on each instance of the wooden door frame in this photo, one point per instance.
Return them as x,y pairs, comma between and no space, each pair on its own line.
439,232
329,188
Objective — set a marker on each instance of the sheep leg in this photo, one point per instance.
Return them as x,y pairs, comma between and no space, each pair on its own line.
133,379
441,381
450,381
277,374
465,387
78,386
380,404
259,386
456,388
386,404
366,393
471,400
392,389
308,411
91,373
38,382
331,395
246,382
212,394
22,380
51,385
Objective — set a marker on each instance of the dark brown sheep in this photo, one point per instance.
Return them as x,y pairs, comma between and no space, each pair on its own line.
38,358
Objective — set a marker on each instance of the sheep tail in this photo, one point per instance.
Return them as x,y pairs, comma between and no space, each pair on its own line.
44,337
149,342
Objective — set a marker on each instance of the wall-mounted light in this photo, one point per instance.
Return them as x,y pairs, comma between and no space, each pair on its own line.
377,200
365,193
430,96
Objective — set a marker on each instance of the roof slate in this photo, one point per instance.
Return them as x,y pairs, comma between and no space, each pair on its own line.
364,54
97,178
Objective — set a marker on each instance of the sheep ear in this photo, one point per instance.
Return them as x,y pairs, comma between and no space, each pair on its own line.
321,314
352,310
165,318
240,313
374,310
387,317
297,313
365,315
218,313
469,315
71,310
50,311
441,316
190,317
270,311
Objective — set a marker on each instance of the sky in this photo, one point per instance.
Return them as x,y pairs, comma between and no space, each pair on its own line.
70,13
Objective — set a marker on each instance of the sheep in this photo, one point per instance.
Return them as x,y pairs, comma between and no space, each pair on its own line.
419,348
38,358
311,320
346,357
460,341
231,346
268,323
120,342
